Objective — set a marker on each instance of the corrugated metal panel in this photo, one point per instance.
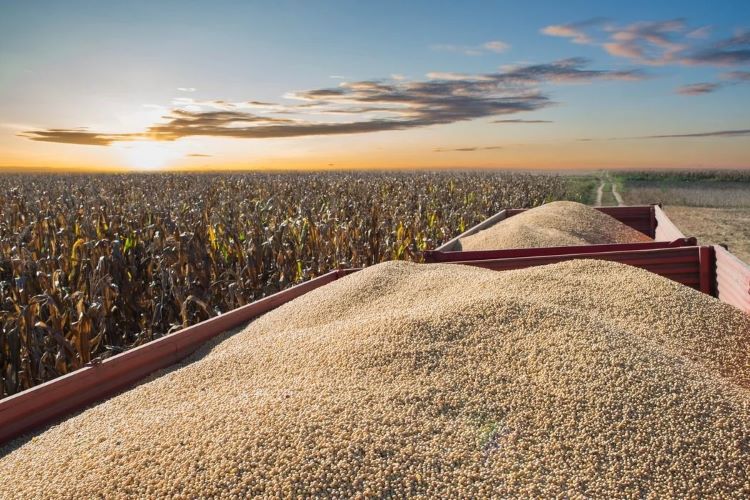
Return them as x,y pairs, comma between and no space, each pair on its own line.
732,279
46,402
637,217
665,228
679,264
438,256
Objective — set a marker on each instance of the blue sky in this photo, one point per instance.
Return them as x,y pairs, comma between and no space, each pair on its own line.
92,84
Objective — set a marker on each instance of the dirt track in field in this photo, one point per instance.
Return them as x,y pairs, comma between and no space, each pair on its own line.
617,195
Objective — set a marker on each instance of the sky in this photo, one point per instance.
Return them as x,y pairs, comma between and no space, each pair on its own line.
173,85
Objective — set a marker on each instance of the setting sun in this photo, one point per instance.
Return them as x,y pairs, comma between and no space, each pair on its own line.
148,155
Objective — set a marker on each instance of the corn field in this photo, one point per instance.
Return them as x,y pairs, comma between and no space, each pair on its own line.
91,265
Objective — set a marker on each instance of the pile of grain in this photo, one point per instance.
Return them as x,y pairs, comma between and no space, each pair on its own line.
582,378
560,223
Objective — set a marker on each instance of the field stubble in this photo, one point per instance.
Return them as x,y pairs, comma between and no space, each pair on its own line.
717,194
712,206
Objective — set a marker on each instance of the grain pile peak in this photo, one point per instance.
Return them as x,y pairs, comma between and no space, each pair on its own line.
584,378
560,223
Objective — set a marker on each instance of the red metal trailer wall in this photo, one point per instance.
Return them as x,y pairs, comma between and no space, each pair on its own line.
691,266
732,279
639,217
665,228
431,256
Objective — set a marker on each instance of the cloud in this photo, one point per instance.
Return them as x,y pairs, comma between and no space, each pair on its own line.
467,149
492,46
522,121
575,31
567,31
222,104
76,136
448,75
658,43
496,46
728,52
647,42
186,89
199,155
699,88
729,78
702,32
737,76
713,133
571,70
374,105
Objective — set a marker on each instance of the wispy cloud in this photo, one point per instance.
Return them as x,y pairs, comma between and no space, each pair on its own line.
448,75
700,33
728,52
658,42
492,46
713,133
186,89
80,136
199,155
727,79
647,42
737,76
521,121
575,31
699,88
570,71
495,46
379,105
221,104
691,135
466,149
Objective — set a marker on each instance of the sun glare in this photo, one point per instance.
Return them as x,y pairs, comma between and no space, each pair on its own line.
148,155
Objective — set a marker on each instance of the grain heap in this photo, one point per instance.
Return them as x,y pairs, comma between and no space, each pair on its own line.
560,223
439,380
